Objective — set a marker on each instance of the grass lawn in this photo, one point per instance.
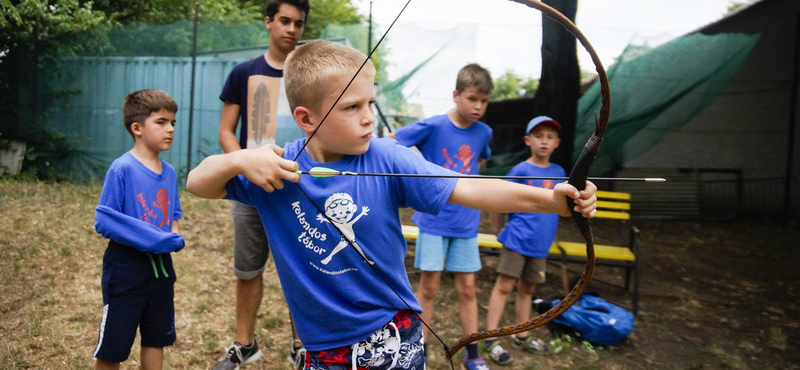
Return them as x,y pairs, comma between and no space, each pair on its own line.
713,296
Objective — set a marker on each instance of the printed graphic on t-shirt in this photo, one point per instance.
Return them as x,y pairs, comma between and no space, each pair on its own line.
151,217
546,184
341,210
162,202
464,156
265,98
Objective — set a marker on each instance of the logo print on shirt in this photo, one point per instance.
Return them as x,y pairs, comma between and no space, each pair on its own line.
162,202
341,210
465,155
546,184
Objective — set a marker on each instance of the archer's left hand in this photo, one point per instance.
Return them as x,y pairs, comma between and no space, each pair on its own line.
585,200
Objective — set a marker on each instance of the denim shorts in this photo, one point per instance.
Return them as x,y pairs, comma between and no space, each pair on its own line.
396,345
250,245
437,253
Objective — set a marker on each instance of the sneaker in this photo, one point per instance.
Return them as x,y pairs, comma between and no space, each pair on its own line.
498,354
532,345
297,357
239,355
474,364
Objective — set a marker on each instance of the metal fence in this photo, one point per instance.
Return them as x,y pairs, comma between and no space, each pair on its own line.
94,112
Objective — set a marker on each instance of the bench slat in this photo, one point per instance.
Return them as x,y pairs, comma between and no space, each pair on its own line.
613,205
613,195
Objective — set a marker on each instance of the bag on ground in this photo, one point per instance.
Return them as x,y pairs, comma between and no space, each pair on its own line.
598,321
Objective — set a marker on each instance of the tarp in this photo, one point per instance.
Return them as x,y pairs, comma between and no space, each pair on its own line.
656,91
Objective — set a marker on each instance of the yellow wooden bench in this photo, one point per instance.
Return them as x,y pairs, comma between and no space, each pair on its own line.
610,205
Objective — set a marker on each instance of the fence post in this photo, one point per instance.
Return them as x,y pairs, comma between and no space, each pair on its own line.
191,89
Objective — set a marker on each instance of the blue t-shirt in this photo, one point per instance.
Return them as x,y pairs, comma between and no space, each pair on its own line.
532,234
335,297
454,148
131,189
265,116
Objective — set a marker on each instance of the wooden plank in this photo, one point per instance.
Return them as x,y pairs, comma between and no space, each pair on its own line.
612,215
600,251
604,204
613,195
571,248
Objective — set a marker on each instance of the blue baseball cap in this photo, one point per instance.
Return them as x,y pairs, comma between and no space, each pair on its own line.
541,120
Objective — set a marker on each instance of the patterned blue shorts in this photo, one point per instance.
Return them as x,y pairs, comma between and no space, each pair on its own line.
397,345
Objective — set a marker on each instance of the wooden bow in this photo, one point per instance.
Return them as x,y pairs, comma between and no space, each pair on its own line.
577,178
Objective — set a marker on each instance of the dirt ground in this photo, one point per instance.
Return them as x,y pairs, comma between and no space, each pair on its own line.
713,296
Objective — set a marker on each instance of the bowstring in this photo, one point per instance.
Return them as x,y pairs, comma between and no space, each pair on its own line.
350,242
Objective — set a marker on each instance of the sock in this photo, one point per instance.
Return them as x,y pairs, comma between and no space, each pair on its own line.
489,342
472,351
521,339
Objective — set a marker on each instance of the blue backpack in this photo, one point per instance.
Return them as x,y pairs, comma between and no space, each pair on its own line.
598,321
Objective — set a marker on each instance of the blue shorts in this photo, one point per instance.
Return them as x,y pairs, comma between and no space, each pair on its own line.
461,254
136,294
396,345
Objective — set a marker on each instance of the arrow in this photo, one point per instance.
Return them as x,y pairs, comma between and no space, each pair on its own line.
328,172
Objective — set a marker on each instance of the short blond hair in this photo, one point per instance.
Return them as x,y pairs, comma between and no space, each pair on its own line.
313,68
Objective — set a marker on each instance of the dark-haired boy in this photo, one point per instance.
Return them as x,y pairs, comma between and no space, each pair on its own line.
139,211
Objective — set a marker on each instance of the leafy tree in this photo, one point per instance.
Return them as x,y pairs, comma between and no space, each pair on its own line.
511,86
33,35
225,11
169,11
9,13
330,11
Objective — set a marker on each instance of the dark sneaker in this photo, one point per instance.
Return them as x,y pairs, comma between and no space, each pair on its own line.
297,357
498,354
474,364
530,345
239,355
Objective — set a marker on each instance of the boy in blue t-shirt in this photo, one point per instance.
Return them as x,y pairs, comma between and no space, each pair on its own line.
459,142
337,241
139,211
526,241
254,95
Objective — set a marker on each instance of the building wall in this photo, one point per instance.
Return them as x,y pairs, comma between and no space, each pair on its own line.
747,127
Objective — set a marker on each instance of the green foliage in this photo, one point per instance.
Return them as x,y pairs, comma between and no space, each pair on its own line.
739,4
9,14
511,86
54,156
324,12
169,11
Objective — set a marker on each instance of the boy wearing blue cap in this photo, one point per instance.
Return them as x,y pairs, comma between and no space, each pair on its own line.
526,241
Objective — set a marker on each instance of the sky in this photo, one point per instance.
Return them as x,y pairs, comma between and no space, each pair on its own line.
502,35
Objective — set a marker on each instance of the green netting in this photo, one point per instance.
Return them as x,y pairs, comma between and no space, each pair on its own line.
656,91
175,39
75,95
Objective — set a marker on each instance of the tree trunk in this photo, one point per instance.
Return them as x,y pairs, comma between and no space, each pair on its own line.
559,84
